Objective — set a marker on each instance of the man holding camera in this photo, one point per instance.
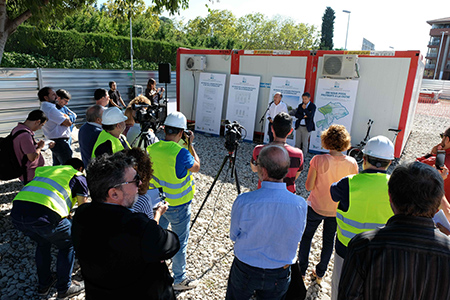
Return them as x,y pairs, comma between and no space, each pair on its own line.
172,168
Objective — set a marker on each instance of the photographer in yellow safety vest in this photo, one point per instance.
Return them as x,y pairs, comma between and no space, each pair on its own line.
172,167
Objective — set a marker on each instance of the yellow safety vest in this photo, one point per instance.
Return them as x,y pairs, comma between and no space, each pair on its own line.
115,142
163,155
369,206
50,187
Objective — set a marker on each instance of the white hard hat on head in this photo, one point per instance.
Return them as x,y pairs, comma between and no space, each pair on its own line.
177,120
112,116
380,147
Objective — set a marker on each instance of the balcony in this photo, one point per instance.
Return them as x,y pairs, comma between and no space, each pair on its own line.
431,55
430,66
434,44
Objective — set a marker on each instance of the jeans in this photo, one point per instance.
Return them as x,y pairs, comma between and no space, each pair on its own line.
245,280
61,152
179,218
329,230
46,235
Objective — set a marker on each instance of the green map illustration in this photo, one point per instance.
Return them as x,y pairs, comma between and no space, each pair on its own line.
332,111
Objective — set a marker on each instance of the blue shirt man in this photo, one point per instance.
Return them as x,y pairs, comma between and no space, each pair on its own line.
88,133
266,225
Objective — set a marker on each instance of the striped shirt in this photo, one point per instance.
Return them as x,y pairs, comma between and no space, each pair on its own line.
296,156
407,259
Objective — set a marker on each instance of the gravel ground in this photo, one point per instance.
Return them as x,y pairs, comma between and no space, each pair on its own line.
209,250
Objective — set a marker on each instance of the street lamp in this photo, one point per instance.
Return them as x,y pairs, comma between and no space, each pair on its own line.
348,23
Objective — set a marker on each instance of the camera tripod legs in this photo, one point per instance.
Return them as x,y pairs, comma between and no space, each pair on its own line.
229,157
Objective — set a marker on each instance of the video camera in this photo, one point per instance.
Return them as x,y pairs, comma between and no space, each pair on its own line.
233,134
150,116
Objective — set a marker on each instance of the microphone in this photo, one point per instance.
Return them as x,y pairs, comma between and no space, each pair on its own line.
271,103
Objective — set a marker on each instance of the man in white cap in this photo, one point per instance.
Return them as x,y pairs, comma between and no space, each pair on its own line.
111,139
172,167
363,200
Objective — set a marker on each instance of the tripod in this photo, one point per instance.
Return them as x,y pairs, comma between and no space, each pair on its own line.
143,138
231,157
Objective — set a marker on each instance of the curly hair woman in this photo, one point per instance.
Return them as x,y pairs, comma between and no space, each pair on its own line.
325,169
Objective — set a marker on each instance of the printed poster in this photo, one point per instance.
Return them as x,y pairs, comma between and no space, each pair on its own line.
292,90
211,89
335,101
242,101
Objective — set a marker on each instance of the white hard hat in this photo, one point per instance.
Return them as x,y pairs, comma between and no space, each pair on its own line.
112,116
177,120
380,147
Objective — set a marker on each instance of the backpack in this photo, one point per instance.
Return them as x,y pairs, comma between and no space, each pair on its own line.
9,165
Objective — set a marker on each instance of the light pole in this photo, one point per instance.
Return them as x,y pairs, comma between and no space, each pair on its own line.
348,23
131,41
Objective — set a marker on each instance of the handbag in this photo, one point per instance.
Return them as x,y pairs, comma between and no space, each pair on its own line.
297,289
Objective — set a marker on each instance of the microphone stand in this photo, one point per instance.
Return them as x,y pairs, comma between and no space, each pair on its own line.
262,119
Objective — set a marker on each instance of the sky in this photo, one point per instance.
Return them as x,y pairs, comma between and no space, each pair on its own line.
399,24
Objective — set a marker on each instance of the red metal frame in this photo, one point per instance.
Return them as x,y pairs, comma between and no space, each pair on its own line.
311,74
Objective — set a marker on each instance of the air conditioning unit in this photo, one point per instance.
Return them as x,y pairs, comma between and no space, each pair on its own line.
195,63
339,65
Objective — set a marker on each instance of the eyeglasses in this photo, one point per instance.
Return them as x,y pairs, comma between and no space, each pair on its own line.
442,135
136,180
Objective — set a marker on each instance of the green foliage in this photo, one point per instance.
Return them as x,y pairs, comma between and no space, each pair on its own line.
221,30
21,60
108,20
44,12
326,40
69,45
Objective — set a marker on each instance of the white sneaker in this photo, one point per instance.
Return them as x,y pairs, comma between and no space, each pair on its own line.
186,284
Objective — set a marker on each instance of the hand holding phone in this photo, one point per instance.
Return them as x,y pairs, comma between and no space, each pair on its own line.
440,159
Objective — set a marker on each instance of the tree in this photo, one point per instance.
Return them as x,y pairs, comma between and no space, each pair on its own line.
326,40
37,12
216,30
42,13
255,31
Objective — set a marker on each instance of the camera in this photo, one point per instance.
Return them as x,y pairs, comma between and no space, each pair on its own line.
185,136
233,134
150,116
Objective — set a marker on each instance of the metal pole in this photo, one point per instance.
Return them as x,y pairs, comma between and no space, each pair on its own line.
131,43
439,54
348,23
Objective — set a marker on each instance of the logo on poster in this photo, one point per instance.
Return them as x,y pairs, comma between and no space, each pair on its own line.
212,77
336,85
288,83
244,80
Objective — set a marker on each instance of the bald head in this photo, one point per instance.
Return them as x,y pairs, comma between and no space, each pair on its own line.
275,160
94,114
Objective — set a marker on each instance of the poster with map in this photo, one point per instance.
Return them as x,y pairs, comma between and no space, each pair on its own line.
335,101
242,101
211,89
